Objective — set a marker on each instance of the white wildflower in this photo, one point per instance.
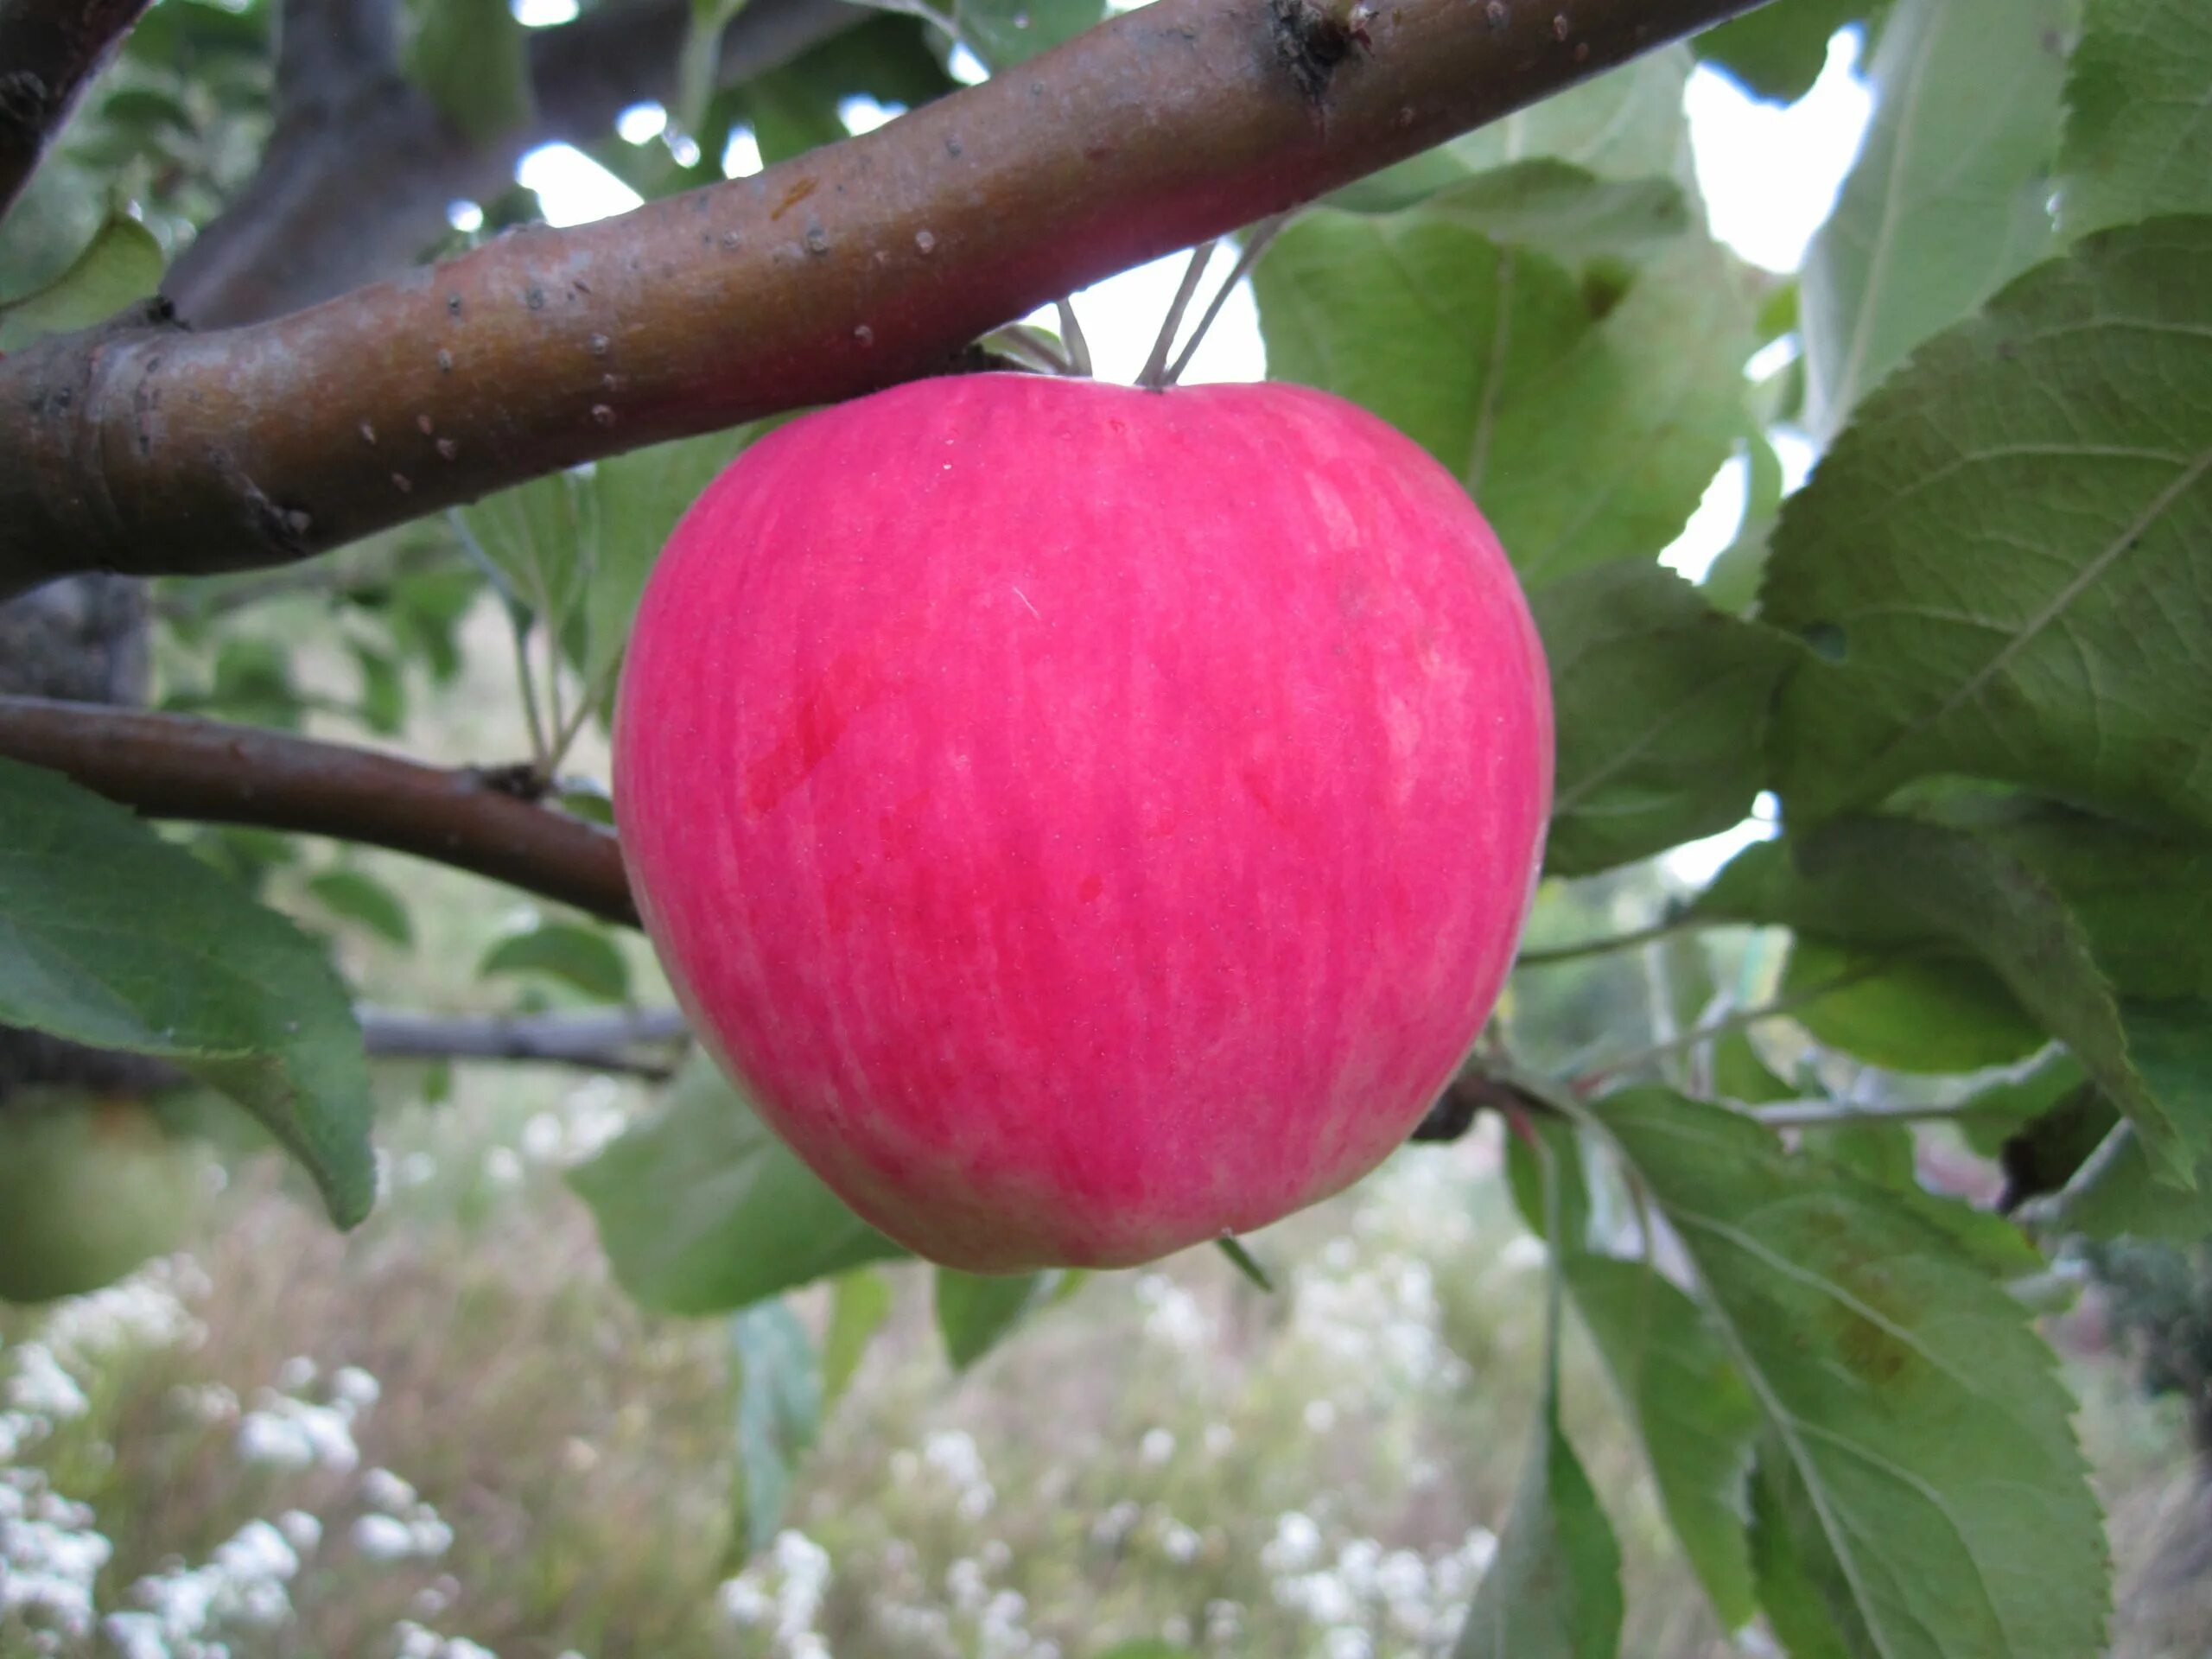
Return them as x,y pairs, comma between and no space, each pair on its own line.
1296,1545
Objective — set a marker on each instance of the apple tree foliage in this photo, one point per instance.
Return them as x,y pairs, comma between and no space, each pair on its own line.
1964,671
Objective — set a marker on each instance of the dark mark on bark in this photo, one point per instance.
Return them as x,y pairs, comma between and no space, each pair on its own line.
1314,39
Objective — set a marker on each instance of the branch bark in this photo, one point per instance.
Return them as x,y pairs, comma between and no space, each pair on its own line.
636,1042
48,50
609,1041
173,766
150,450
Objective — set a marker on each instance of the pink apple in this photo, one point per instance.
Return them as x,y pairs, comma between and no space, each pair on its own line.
1089,820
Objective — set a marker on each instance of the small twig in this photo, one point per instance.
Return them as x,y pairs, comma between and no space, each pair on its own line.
565,739
1155,366
557,721
617,1040
1606,947
177,766
597,1041
1256,243
541,752
1739,1020
1071,333
1832,1113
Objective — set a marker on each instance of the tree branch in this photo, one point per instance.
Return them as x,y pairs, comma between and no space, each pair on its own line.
325,47
1619,941
614,1040
150,450
173,766
607,1041
48,50
314,222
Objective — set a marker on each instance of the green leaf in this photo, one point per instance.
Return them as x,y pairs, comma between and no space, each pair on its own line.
121,264
384,693
253,682
1525,1150
1588,423
1731,580
1947,200
1909,1016
2144,898
472,58
1903,883
1569,211
584,958
589,800
2005,1107
1627,124
701,58
363,899
110,936
540,541
641,496
1660,704
1778,51
795,108
1692,1410
1806,1616
426,610
859,1303
2118,1191
2136,142
1147,1647
1004,33
1696,1416
790,118
2005,565
1553,1590
1875,1151
1739,1074
779,1415
1907,1389
975,1310
701,1210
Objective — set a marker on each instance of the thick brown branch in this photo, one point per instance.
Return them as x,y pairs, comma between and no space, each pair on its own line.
173,766
48,50
149,450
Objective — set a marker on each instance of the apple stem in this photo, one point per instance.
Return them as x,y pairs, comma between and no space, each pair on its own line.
1154,376
1078,348
1256,243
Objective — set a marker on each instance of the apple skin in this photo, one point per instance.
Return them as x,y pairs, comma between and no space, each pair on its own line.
89,1191
1088,820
